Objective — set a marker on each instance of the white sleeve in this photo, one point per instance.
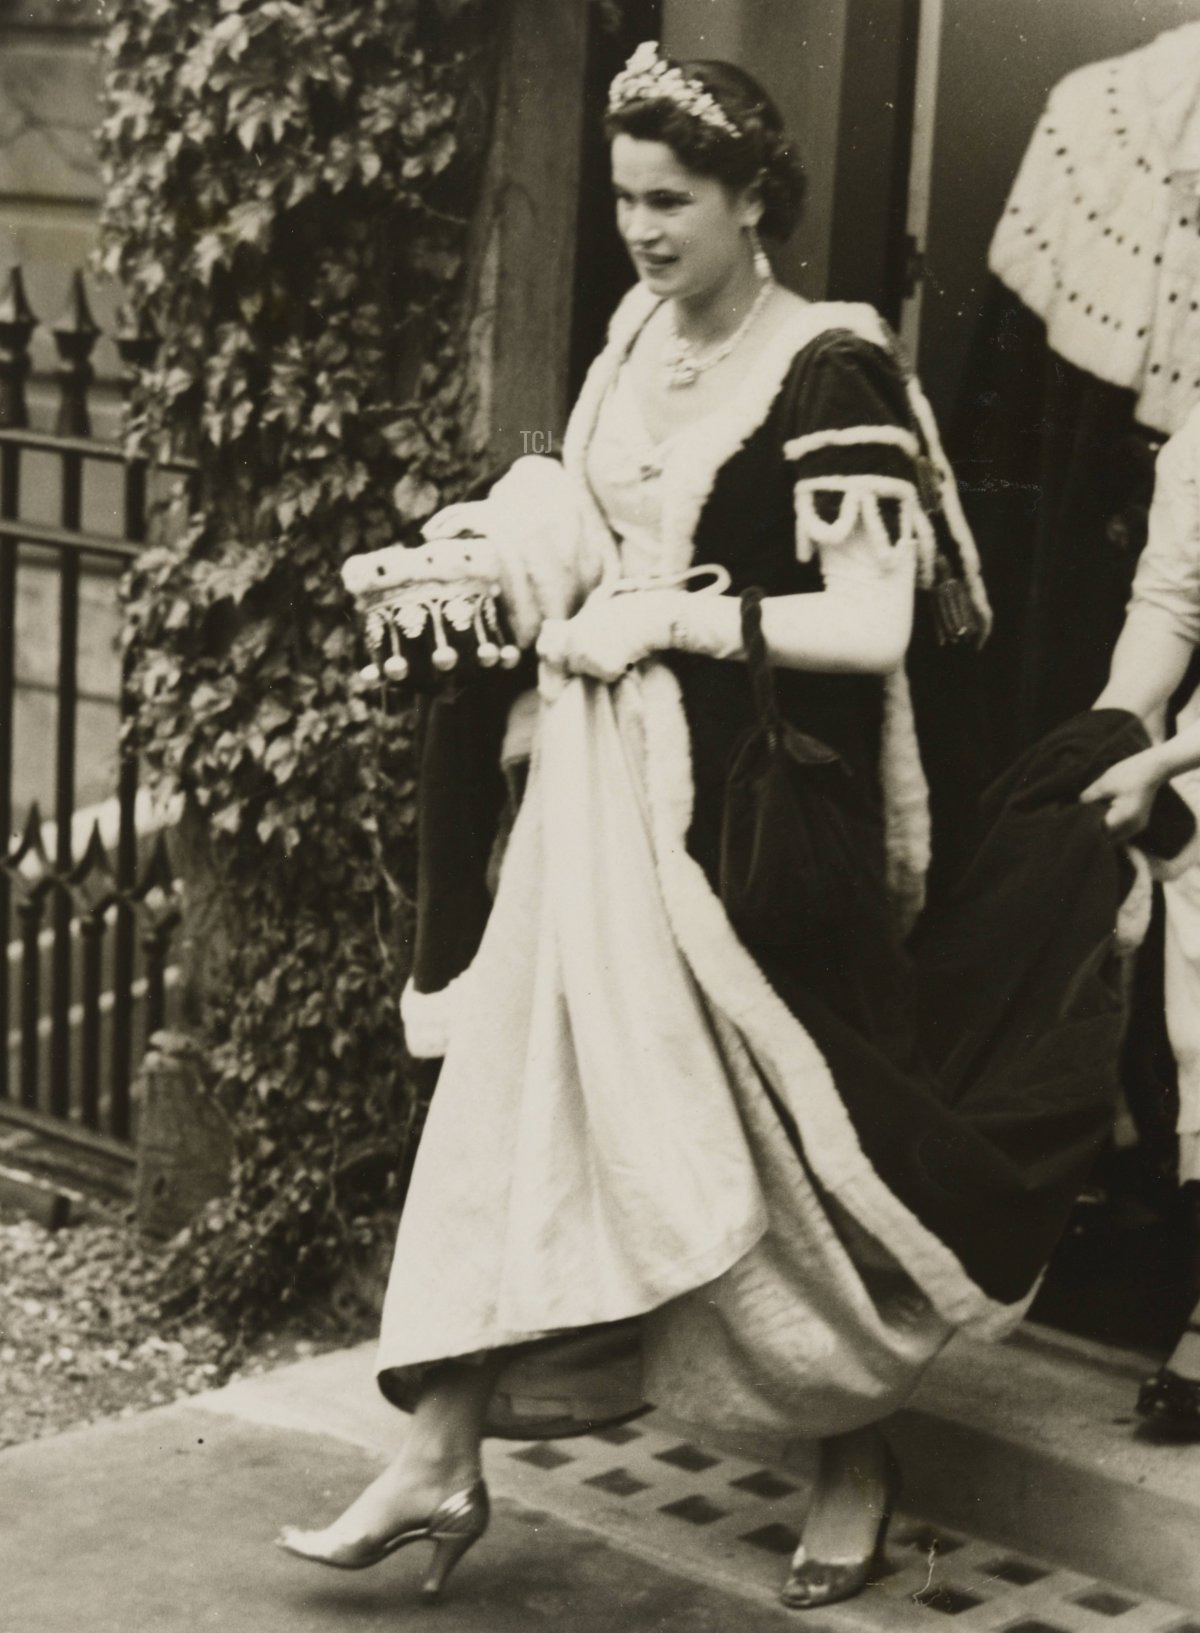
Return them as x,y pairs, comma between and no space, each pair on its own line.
1166,586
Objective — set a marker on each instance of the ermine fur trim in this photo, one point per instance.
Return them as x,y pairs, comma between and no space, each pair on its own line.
853,436
428,1017
859,509
1098,237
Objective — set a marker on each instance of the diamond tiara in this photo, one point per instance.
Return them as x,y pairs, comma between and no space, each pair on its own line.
646,77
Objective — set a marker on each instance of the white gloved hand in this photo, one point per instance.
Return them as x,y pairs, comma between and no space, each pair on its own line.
611,633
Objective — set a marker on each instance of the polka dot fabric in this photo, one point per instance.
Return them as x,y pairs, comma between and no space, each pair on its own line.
1101,233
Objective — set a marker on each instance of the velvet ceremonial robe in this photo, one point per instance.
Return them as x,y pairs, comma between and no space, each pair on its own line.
942,1101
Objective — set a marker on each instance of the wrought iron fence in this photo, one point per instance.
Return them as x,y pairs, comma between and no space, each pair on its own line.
88,909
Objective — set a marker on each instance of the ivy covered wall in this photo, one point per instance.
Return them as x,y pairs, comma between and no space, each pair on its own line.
290,185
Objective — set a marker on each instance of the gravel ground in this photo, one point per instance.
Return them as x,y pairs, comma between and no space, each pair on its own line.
77,1341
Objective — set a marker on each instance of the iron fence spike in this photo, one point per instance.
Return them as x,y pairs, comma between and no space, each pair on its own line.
92,881
94,858
76,324
17,323
31,838
75,334
15,309
29,865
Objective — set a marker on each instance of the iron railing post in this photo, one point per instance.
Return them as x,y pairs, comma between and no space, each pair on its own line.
137,347
17,323
94,888
75,335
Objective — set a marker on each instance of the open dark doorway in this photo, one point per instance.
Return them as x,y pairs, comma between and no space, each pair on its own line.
602,270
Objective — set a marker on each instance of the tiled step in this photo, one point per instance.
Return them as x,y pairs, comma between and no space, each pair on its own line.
1035,1442
727,1517
733,1521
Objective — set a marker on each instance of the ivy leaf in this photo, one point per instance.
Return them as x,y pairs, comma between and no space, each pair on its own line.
248,129
414,497
251,221
273,715
209,252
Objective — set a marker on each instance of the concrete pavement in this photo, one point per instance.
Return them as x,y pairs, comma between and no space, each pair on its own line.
164,1523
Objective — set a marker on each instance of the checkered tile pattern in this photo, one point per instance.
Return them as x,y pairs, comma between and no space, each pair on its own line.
735,1522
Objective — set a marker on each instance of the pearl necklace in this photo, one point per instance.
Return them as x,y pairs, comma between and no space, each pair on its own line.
681,364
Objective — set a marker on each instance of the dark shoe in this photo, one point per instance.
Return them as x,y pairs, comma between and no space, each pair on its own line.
814,1583
455,1524
1170,1404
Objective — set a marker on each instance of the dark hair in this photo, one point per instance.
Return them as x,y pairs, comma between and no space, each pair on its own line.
761,153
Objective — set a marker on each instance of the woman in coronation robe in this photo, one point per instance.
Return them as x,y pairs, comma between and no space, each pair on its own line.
733,1116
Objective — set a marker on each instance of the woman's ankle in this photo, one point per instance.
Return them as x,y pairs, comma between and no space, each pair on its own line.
440,1467
445,1434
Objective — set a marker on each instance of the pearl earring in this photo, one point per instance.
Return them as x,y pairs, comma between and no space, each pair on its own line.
762,265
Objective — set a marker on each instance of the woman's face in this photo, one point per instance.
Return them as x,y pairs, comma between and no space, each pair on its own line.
686,233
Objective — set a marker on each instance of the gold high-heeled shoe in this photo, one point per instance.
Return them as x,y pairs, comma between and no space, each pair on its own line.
814,1583
458,1521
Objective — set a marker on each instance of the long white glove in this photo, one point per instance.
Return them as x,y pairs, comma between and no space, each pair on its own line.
858,625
